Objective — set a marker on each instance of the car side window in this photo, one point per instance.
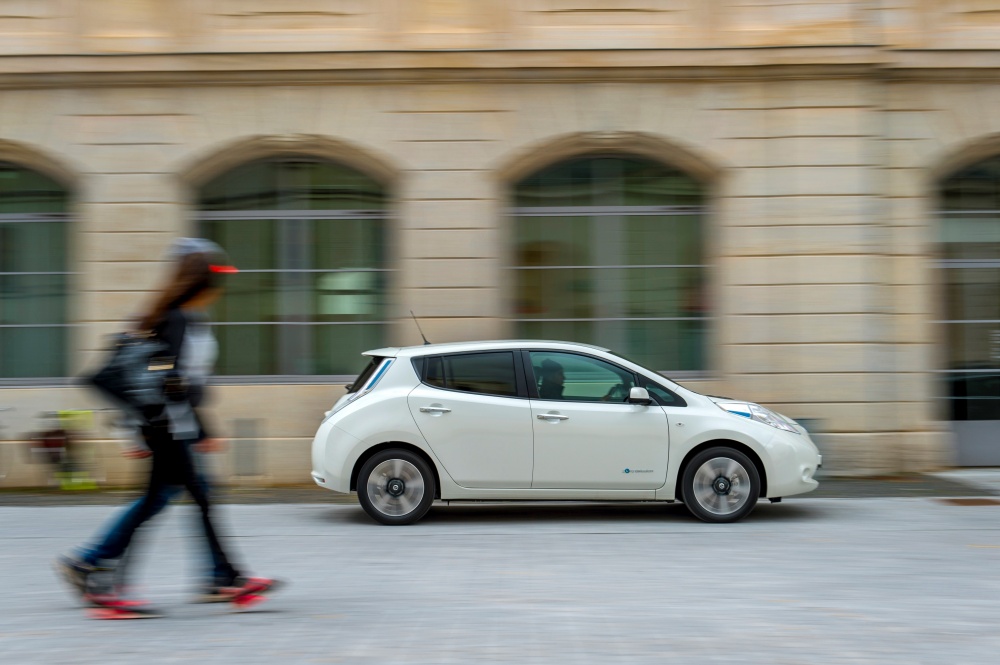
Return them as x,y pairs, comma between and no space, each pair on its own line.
490,373
660,395
578,378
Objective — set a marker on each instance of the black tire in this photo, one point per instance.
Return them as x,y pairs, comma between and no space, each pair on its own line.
396,470
720,484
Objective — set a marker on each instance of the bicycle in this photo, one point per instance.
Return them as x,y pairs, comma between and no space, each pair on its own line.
57,444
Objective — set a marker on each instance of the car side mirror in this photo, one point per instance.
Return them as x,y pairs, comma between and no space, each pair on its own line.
639,395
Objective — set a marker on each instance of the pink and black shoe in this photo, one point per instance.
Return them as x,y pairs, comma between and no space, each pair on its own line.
242,591
113,606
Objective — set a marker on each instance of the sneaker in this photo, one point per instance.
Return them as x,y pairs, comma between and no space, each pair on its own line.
213,593
115,606
239,587
75,571
79,574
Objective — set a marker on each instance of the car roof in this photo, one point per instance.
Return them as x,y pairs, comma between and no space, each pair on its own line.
489,345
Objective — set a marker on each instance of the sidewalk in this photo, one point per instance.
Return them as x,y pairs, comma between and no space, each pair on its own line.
956,483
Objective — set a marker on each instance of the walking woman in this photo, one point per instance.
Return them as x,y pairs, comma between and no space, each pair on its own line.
177,317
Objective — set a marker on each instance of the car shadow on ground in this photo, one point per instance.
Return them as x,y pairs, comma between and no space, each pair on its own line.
514,512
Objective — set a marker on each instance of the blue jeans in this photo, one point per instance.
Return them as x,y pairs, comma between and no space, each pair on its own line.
173,469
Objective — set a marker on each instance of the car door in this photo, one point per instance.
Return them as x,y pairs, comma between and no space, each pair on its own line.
473,411
587,436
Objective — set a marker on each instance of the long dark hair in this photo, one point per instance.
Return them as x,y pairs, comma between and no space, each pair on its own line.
192,276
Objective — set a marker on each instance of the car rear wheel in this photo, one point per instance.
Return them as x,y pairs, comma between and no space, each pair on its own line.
720,485
396,487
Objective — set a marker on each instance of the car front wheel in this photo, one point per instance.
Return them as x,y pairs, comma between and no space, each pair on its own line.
396,487
720,485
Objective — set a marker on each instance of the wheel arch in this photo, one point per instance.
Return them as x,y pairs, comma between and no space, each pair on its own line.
403,446
727,443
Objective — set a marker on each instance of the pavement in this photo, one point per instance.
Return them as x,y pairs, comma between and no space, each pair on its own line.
907,579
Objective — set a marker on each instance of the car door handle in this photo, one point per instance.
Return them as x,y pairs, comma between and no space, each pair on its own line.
434,409
551,416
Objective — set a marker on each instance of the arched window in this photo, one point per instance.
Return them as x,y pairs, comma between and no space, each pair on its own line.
308,237
33,274
970,259
609,251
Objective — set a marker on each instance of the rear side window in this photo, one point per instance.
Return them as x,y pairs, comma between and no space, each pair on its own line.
489,373
365,375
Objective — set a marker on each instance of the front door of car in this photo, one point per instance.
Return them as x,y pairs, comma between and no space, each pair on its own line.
587,436
472,411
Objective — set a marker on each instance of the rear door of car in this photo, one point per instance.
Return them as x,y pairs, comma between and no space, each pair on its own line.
473,411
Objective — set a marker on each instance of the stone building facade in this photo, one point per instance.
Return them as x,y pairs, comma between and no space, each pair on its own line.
819,136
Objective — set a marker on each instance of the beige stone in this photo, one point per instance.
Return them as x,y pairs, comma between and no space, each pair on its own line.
797,329
801,152
449,185
809,240
793,210
803,299
824,357
790,270
450,243
451,214
805,181
443,273
142,276
440,155
167,218
142,246
445,302
129,157
130,188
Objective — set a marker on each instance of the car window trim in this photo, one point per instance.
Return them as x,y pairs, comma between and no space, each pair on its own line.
520,382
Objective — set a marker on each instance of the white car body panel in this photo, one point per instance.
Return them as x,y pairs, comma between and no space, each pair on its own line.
599,445
481,440
390,414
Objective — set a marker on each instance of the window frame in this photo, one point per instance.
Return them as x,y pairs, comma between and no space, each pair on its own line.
420,367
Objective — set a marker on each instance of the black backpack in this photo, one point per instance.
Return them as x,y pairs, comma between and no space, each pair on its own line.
135,373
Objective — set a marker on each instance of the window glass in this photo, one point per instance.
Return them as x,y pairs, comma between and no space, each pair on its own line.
309,239
660,395
435,373
573,377
34,278
365,374
490,373
610,251
970,236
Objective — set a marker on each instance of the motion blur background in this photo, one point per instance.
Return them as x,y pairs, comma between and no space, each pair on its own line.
791,201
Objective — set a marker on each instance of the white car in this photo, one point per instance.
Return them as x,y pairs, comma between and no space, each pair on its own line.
534,420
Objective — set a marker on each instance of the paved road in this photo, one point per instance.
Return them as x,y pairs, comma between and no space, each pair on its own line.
904,580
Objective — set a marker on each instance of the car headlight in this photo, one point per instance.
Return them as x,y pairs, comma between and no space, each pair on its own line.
758,413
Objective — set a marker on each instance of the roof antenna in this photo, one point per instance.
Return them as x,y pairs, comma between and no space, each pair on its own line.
418,327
